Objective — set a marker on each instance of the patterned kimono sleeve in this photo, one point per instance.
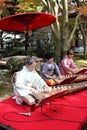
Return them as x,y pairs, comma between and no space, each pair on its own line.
45,72
57,71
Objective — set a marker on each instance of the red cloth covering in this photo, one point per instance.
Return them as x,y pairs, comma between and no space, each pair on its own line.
82,71
69,113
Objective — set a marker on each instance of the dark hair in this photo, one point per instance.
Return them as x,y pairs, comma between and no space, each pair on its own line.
70,52
29,61
49,55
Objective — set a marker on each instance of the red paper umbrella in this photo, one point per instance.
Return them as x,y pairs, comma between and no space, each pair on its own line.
26,21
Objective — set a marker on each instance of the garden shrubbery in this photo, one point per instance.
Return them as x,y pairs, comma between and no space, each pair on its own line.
14,64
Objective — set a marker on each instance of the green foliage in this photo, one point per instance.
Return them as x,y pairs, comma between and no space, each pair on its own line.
14,64
10,7
30,5
11,51
79,60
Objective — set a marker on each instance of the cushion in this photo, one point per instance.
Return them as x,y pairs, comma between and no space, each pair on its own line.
50,82
69,73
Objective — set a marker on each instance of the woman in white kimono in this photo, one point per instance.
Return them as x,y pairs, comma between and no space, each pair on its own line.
28,85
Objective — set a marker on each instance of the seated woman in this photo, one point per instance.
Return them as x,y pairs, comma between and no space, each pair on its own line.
50,70
67,65
28,85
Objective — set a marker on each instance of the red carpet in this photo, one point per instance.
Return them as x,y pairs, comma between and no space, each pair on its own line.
69,113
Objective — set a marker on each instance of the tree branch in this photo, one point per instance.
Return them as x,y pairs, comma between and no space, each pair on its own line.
74,29
59,4
44,2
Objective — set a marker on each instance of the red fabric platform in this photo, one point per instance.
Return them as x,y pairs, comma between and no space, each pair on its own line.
69,113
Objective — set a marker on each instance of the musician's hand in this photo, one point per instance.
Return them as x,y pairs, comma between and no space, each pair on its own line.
48,89
54,76
76,70
61,77
33,90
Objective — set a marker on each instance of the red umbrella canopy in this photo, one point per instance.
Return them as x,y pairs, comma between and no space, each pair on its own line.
26,21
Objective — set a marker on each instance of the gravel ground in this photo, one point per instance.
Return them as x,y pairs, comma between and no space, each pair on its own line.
6,89
5,97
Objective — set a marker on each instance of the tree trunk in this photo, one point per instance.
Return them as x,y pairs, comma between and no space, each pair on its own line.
53,8
61,39
84,41
57,44
64,27
1,40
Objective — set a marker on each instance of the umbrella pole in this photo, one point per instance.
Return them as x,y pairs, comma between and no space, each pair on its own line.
26,41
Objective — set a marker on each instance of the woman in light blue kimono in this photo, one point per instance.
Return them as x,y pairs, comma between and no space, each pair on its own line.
50,69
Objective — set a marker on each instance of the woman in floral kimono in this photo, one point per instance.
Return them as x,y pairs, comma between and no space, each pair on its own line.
67,65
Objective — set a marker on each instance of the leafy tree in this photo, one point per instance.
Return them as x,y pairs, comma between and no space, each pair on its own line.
83,26
62,30
7,7
2,6
30,5
60,33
